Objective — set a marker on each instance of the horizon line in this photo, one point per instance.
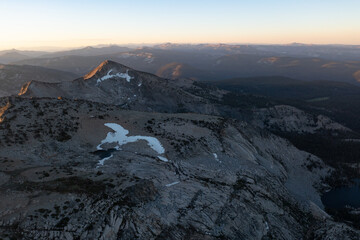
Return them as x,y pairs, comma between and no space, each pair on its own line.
101,45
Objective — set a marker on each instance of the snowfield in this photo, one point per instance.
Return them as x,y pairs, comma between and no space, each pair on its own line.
120,137
121,75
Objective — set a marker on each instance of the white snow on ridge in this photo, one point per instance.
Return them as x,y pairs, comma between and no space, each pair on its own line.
121,75
164,159
120,137
107,76
171,184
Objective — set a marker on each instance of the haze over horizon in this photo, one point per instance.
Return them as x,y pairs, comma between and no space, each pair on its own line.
70,24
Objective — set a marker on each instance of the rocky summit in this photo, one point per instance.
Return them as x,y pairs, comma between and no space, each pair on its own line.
122,154
113,83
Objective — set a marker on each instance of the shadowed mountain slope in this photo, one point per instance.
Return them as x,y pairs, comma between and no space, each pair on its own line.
12,77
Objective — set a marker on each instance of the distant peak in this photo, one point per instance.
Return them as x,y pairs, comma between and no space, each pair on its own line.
296,44
105,67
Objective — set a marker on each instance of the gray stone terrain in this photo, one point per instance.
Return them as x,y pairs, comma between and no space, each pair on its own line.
290,119
218,178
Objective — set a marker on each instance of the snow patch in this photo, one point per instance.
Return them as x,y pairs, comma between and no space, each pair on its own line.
216,157
102,161
171,184
164,159
120,75
267,226
120,137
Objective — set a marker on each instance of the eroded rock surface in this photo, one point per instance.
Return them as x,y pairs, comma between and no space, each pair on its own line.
257,187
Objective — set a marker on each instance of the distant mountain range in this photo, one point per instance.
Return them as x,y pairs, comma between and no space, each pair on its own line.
298,50
88,51
13,55
214,62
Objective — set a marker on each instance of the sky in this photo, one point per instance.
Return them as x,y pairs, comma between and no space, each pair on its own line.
35,24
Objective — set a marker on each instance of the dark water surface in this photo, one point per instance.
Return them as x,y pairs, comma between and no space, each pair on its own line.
340,197
104,153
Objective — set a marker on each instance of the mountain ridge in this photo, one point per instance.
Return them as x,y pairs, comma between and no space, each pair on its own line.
114,83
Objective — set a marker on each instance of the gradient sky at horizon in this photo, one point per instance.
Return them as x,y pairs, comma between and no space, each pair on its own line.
65,23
